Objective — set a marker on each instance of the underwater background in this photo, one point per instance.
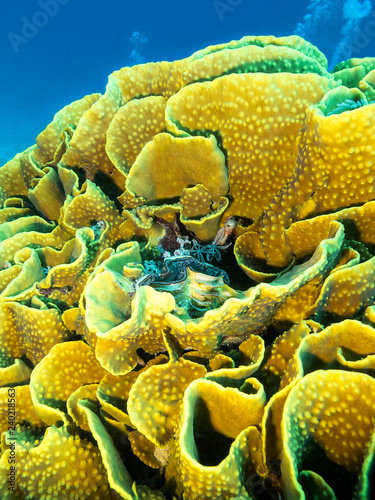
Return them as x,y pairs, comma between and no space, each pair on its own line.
53,52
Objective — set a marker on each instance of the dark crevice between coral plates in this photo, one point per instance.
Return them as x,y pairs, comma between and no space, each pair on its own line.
212,446
337,477
109,188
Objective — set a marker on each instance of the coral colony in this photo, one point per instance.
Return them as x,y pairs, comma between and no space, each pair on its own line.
187,299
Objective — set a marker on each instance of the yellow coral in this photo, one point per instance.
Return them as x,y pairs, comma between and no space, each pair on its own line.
171,164
113,391
133,126
334,169
95,286
118,476
65,120
246,111
303,236
156,416
67,367
332,410
27,331
16,407
196,201
87,146
255,54
62,466
206,472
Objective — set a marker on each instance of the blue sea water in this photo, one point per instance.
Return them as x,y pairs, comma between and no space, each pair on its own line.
55,51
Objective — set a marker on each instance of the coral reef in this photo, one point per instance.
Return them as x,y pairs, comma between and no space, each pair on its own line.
187,269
